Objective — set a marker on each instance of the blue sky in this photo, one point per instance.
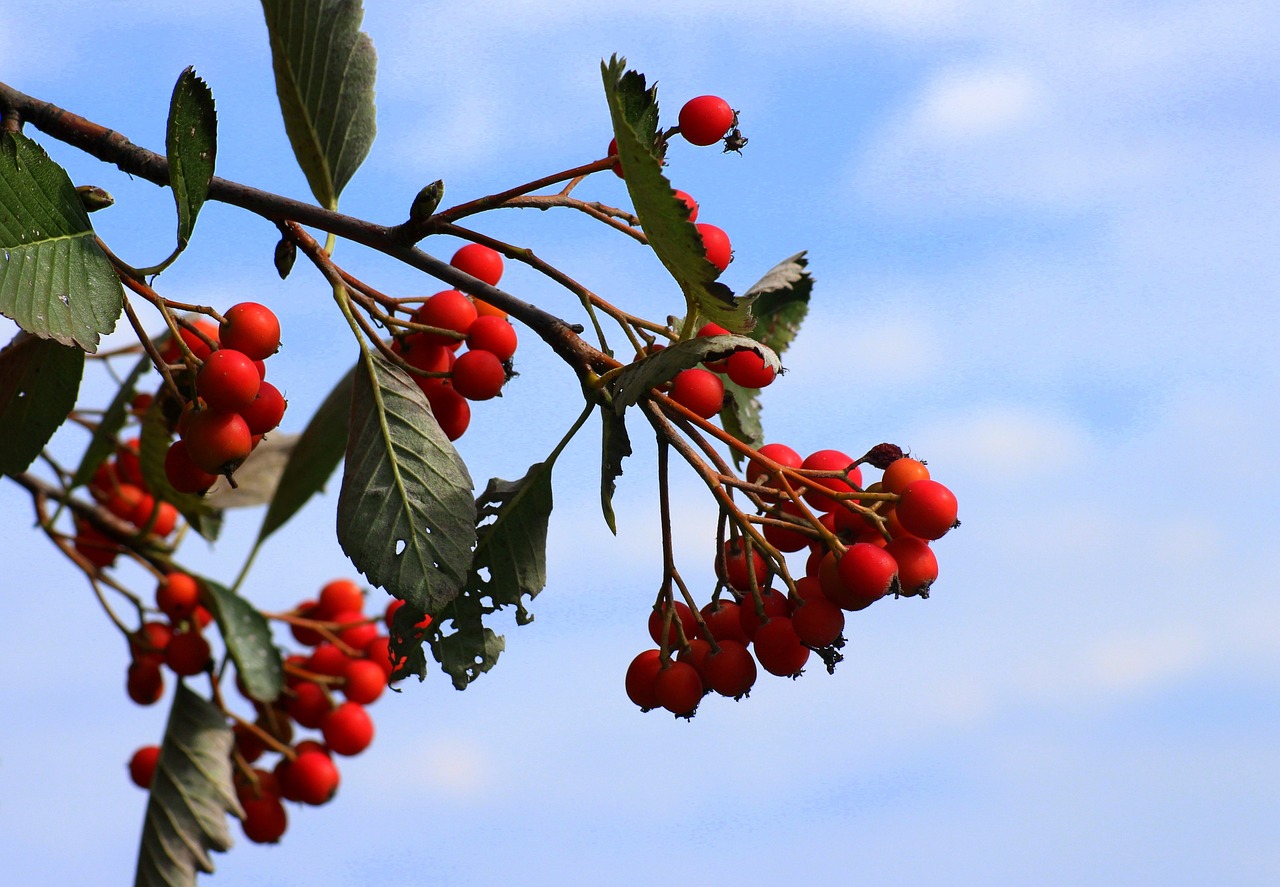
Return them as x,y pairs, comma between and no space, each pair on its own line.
1043,236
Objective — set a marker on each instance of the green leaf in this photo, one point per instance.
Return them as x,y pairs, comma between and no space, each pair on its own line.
153,443
405,513
472,648
664,217
325,68
191,795
636,379
248,640
104,437
258,477
191,144
513,548
781,301
39,381
615,446
55,281
315,456
741,415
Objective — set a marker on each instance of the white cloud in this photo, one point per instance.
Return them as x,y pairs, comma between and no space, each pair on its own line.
975,104
1129,663
1008,444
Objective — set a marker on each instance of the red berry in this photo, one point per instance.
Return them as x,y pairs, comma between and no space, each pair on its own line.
217,442
758,473
150,642
447,310
829,460
705,120
748,369
199,349
775,604
678,688
188,653
480,261
478,375
731,671
354,629
688,201
183,474
364,680
714,329
265,819
917,565
311,777
451,410
339,596
144,682
779,648
927,509
736,575
228,381
308,637
612,151
698,390
722,620
866,572
817,622
327,659
142,766
716,244
308,705
640,677
493,334
348,729
687,621
128,462
252,329
901,473
177,596
265,411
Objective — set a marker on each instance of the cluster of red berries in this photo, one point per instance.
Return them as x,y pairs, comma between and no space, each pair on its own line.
119,487
701,389
454,379
863,556
234,405
704,121
348,655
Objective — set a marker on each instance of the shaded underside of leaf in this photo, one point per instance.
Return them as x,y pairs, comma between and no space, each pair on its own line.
405,513
55,281
741,415
325,68
615,445
39,382
248,639
781,302
633,109
315,455
471,648
191,145
191,795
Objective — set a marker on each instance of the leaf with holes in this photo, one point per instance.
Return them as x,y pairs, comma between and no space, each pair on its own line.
191,795
325,68
405,513
633,109
248,639
39,381
472,648
55,281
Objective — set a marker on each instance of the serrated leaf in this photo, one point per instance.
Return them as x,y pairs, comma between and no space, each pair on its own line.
633,109
55,281
315,455
104,436
191,795
39,381
248,639
615,445
636,379
781,301
153,443
325,68
513,547
191,145
405,513
258,477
